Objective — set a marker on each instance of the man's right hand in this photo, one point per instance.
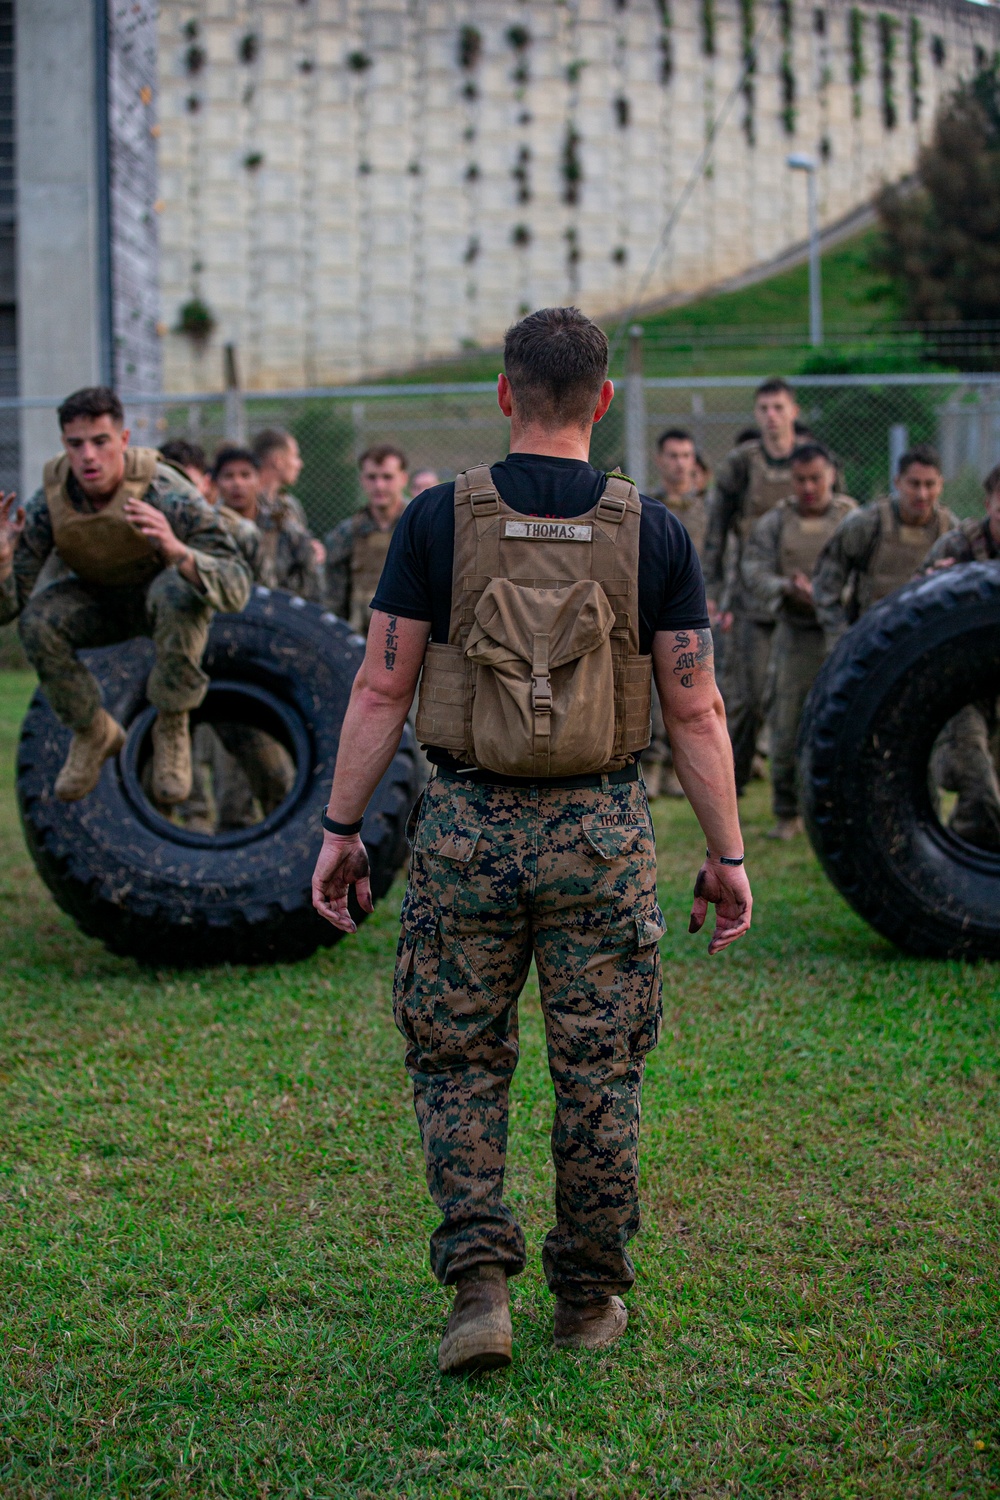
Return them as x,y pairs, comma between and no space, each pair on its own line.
11,526
342,862
727,888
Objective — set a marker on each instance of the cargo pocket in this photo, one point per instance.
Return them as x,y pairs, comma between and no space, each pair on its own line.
416,980
642,999
617,841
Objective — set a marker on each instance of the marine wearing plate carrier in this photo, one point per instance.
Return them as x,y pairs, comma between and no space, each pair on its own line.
117,582
532,613
753,479
541,675
778,561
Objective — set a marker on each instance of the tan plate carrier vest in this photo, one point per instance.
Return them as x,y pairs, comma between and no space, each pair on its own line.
541,675
101,546
802,539
767,488
899,552
692,512
367,561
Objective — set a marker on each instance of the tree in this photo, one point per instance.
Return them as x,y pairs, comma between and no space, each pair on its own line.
941,243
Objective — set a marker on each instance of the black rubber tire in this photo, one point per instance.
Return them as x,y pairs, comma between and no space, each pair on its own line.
869,725
170,897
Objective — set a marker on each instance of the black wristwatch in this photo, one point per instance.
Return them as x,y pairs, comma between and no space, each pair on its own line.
726,859
345,830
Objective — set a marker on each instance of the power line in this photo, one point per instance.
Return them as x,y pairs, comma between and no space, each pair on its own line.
704,156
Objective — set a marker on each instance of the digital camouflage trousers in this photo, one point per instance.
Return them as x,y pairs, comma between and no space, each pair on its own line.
498,876
797,656
70,616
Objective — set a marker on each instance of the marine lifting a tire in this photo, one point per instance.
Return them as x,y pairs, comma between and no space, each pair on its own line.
129,556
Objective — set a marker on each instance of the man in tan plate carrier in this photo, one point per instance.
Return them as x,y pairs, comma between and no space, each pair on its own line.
535,595
130,548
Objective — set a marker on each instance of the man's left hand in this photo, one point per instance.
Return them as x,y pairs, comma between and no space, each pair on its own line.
342,862
154,525
727,888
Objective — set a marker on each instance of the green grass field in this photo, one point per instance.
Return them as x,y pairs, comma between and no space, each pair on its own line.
213,1227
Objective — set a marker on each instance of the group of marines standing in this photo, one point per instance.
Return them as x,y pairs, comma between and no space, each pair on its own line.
790,564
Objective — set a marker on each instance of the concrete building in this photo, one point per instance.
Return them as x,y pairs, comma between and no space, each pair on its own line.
351,186
342,187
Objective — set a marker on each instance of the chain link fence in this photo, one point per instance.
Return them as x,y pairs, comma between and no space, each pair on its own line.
866,421
447,427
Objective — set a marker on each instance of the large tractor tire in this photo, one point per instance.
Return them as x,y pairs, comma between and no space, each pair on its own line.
865,743
169,896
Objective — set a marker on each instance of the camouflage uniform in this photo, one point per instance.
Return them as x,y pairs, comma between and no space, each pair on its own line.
347,591
782,543
870,555
965,756
747,486
498,876
251,772
287,560
69,615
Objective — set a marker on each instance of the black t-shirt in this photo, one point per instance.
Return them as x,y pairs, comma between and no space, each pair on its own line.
416,579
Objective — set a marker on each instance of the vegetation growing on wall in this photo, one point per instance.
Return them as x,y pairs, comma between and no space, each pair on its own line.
887,29
196,321
786,70
708,27
571,165
856,69
914,36
666,40
748,30
470,47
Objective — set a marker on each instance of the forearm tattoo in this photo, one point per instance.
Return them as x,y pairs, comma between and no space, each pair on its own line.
693,654
391,644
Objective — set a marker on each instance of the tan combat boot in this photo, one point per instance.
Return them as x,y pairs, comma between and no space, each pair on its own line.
89,749
478,1335
592,1325
785,829
171,758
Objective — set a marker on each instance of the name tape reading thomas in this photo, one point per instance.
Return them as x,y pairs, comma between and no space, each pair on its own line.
549,531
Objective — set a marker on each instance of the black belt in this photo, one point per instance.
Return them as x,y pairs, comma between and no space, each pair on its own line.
594,782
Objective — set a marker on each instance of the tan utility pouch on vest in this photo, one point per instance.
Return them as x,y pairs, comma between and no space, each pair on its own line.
102,546
545,680
541,675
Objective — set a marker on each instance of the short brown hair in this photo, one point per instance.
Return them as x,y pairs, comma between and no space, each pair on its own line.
920,453
992,481
380,452
773,387
556,361
91,401
271,440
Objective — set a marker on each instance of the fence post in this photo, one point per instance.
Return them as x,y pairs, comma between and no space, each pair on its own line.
635,410
235,415
899,441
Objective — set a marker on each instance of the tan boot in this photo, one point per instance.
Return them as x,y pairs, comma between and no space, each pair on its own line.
652,775
478,1335
671,785
593,1325
89,749
785,829
171,758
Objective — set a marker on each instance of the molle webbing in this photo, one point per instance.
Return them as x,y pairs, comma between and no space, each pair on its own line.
368,556
102,546
494,542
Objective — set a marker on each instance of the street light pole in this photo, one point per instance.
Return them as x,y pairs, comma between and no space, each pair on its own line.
800,162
